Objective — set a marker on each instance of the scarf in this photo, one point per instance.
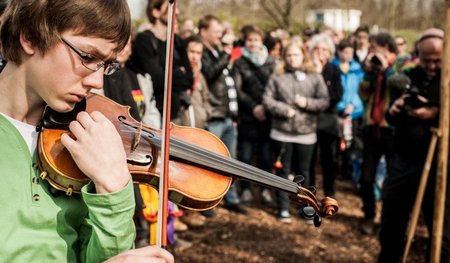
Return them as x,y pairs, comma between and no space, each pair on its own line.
257,58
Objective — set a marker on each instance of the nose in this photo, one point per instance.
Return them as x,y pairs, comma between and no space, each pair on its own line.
94,80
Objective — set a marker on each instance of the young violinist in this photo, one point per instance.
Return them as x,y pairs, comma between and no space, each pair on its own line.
57,51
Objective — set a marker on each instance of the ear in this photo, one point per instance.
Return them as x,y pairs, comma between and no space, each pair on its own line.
26,45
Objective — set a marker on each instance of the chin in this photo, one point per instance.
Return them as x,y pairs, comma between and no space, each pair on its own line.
63,107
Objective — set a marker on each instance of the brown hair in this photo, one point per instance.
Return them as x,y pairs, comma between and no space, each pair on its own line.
251,29
307,67
42,21
205,21
151,5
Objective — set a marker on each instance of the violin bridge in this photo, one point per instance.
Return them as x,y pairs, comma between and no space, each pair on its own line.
137,137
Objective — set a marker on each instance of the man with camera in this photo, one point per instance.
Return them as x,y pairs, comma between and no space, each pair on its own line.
414,112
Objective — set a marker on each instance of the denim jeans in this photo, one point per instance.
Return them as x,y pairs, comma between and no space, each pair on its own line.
227,132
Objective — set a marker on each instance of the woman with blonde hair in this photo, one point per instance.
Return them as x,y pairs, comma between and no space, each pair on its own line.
294,95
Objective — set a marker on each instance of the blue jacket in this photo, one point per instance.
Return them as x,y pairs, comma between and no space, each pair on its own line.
350,83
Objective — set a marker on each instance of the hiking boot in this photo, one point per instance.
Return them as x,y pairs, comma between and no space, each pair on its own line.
193,219
179,226
367,226
284,217
246,196
266,196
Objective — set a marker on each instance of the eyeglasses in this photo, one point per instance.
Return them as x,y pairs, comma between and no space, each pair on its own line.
93,63
400,43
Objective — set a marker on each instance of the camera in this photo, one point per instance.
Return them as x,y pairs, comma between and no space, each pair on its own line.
412,101
403,84
375,61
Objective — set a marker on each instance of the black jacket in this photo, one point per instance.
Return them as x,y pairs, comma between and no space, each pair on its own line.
251,81
149,56
413,135
212,69
332,76
118,87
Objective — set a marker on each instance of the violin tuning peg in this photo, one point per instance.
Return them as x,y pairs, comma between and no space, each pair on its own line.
308,213
299,179
317,220
312,189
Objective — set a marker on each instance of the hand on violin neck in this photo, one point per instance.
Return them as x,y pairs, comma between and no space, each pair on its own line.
97,149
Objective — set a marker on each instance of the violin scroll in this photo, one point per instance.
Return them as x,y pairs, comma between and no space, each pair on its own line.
314,209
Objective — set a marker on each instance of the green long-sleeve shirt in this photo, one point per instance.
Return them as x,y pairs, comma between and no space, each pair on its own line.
39,224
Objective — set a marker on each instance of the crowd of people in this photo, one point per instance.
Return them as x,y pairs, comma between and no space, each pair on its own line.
278,101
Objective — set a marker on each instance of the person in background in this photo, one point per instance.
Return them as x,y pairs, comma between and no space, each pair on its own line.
293,96
198,112
75,42
378,134
322,48
361,49
251,72
188,29
274,47
413,122
402,45
350,107
222,95
404,58
149,56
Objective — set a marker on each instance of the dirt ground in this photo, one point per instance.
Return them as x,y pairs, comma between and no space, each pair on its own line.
259,237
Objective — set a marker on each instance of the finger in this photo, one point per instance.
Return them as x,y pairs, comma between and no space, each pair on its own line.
77,129
68,142
98,116
85,120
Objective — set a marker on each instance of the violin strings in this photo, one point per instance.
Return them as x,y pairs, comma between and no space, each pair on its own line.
194,154
200,156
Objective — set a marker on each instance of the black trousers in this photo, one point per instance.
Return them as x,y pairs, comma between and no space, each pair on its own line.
377,141
399,194
327,143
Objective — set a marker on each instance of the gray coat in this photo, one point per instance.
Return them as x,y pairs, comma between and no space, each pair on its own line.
279,97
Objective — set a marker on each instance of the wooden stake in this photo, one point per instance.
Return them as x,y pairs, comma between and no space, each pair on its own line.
420,193
441,176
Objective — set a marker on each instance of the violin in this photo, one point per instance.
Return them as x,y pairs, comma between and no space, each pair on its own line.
200,167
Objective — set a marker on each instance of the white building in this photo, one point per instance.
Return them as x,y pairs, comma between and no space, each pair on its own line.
137,8
338,19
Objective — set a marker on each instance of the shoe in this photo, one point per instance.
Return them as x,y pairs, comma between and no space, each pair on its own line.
266,196
179,226
367,226
238,208
193,219
181,244
246,196
284,217
209,213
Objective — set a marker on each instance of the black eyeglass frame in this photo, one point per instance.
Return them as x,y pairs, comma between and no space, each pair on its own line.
110,66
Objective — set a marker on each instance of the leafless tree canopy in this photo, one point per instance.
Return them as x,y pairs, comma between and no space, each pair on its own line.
390,14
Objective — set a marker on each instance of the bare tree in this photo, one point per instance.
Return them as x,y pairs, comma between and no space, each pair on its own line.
279,11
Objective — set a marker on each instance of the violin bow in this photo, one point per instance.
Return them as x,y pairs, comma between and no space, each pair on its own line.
165,136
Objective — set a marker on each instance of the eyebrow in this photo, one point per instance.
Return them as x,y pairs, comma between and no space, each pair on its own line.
92,50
